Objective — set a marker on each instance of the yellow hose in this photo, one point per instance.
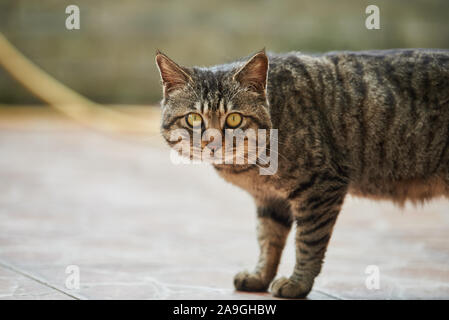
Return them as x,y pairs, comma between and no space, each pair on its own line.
67,101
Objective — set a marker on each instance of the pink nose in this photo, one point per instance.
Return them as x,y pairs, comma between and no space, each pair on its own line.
214,148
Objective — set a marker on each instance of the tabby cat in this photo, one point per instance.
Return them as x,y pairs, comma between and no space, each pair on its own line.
370,123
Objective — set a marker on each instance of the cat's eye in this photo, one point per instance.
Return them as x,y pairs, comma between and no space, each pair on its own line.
233,120
194,119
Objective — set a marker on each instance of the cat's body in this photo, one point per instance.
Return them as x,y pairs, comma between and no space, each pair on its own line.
373,124
381,117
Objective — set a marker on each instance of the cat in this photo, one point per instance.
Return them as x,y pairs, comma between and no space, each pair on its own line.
369,123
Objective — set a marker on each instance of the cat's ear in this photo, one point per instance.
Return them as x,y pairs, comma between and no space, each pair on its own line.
253,74
173,76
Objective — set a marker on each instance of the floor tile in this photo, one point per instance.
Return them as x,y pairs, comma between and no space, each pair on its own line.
140,227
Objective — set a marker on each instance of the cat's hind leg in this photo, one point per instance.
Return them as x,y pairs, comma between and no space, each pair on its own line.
316,205
273,225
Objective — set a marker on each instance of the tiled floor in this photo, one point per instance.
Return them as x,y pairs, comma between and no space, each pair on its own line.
139,227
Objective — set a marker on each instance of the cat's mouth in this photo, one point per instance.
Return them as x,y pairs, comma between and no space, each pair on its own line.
235,156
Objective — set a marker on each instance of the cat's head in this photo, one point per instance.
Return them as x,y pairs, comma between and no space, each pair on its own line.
230,96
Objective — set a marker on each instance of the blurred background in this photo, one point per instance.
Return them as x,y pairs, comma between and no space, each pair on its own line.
111,58
86,181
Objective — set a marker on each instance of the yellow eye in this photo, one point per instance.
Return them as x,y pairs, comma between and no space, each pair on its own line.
194,119
234,120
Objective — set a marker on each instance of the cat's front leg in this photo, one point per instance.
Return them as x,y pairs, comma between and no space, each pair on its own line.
273,225
315,213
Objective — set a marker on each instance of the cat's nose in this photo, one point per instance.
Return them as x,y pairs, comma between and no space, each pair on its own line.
214,147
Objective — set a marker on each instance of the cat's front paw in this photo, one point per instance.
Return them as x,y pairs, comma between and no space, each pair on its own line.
288,288
246,281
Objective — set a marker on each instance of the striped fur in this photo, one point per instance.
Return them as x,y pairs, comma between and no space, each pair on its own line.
373,124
